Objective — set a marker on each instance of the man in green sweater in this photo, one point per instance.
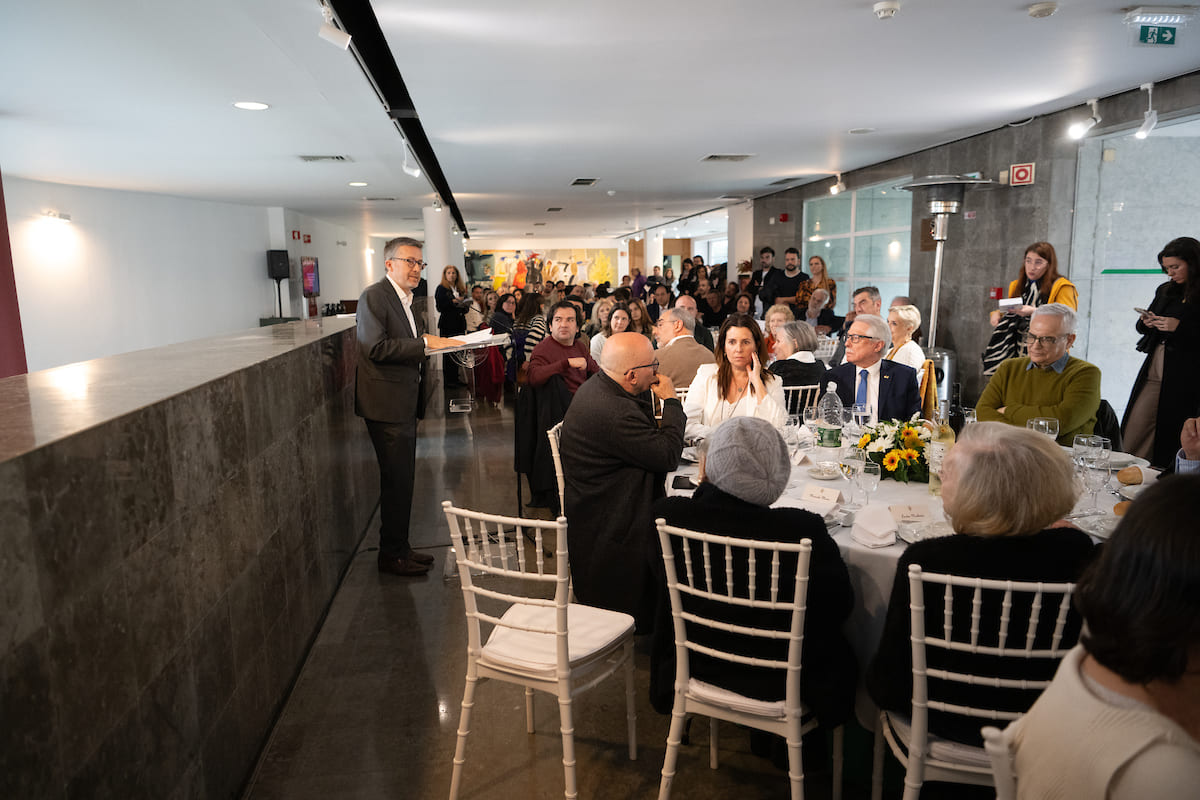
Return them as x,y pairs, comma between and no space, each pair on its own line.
1047,383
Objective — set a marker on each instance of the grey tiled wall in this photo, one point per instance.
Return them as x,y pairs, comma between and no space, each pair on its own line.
165,573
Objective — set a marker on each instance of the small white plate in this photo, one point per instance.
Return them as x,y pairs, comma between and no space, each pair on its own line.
1121,460
824,475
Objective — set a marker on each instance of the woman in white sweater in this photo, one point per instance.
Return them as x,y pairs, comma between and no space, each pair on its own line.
737,385
1121,720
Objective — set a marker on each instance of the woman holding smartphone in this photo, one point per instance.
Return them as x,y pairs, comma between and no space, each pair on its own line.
1167,390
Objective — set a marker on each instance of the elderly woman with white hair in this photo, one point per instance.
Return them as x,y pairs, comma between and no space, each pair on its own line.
745,470
902,321
796,364
1004,490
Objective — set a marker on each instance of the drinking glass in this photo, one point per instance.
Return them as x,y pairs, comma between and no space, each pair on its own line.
852,464
812,416
791,432
862,416
868,479
1096,474
1046,425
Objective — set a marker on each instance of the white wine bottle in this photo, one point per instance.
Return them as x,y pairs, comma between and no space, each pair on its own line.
938,449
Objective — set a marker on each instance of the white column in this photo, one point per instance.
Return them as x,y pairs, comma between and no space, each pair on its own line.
654,252
741,235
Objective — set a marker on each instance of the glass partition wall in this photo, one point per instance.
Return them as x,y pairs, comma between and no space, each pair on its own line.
1132,196
864,238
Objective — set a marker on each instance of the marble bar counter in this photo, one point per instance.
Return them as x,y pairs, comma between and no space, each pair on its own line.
173,525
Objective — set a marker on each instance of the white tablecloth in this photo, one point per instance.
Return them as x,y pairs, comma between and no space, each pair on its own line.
872,570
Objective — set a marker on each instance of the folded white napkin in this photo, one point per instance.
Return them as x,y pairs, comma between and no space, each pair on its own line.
821,509
874,526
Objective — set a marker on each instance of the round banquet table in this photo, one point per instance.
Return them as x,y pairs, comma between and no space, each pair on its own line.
872,569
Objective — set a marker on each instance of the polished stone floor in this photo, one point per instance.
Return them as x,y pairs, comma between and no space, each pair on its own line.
375,710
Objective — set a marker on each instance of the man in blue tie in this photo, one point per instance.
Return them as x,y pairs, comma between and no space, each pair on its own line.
888,388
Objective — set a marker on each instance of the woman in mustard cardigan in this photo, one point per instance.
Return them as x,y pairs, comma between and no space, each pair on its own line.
1038,283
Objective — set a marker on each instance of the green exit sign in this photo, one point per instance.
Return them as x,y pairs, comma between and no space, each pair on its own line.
1156,34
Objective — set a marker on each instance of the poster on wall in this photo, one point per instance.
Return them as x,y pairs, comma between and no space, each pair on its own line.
311,277
522,268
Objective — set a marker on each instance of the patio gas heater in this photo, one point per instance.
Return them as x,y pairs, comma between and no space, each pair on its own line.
942,195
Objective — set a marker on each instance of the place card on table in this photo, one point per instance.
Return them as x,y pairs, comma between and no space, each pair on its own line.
820,494
918,514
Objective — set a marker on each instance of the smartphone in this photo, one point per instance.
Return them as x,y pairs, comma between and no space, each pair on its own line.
1141,312
682,482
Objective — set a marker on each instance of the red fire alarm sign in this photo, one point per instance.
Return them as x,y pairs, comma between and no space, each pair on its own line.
1020,174
307,239
295,236
783,217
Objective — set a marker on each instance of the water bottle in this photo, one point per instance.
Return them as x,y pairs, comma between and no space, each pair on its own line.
829,423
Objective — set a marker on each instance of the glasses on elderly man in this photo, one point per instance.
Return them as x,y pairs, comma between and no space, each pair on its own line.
412,262
855,338
1044,341
652,364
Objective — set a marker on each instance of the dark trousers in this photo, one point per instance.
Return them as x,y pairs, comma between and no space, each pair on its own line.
396,450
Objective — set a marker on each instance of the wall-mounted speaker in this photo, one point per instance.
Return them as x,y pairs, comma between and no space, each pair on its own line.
277,265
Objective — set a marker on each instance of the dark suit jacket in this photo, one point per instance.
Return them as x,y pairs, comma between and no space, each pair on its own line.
826,317
899,394
391,357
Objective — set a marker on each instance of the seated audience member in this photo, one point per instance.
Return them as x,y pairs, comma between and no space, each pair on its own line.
679,354
819,316
795,364
1121,719
890,389
661,297
905,300
616,320
737,385
639,319
863,300
1003,489
743,304
686,302
712,309
902,321
560,353
776,316
1049,382
745,470
615,458
1187,460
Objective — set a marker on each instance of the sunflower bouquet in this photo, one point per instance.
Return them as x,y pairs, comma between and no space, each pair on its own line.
899,448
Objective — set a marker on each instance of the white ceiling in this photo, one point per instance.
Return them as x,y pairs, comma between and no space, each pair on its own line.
521,97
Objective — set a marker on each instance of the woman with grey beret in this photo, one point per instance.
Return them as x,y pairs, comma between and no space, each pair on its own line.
744,471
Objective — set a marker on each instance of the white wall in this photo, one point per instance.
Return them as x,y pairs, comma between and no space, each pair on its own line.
135,270
741,236
345,269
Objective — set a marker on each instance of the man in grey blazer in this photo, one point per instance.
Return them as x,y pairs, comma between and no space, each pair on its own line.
387,394
679,354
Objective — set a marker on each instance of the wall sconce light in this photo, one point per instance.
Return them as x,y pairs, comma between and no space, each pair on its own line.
1080,129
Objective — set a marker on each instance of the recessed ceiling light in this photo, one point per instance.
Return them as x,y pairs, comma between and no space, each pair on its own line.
250,105
357,183
857,131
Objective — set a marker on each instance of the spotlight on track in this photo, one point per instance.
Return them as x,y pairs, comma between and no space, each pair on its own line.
1080,129
1151,117
330,32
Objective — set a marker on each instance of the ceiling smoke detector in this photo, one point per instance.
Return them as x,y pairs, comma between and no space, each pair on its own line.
886,9
1042,10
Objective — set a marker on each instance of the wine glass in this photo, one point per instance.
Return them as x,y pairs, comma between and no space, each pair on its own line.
812,415
862,415
1046,425
852,464
791,432
1096,474
868,479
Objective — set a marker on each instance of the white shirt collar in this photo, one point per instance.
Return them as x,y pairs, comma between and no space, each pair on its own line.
803,356
677,338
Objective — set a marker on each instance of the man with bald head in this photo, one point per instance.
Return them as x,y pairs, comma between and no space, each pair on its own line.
615,457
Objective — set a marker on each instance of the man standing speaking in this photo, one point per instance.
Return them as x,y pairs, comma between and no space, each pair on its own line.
388,387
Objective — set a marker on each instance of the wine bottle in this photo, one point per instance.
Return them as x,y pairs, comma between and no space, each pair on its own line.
957,418
938,448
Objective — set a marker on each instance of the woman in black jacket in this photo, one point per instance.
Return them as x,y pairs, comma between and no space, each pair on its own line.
744,471
1167,390
1003,487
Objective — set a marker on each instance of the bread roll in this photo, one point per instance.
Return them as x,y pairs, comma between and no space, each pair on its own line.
1130,476
1120,508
